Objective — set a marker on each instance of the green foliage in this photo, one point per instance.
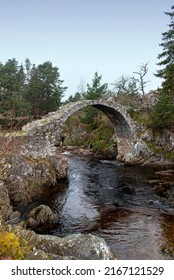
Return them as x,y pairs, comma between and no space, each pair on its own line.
10,246
142,117
102,139
96,90
163,116
160,151
12,89
90,116
74,98
44,91
164,110
98,135
167,56
28,90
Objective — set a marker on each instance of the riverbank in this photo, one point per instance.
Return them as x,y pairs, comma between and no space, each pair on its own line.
25,179
117,203
152,162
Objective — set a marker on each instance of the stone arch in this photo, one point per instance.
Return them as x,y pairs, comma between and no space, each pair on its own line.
43,132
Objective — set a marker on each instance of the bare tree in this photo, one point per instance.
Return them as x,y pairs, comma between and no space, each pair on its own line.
82,86
143,69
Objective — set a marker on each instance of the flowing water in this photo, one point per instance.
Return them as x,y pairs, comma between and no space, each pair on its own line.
116,202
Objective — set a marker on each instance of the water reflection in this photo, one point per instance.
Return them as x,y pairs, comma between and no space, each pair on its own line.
132,234
115,202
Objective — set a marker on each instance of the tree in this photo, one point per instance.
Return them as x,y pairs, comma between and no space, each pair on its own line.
167,57
143,70
164,110
45,89
28,69
96,90
163,115
126,85
12,89
73,98
81,87
126,91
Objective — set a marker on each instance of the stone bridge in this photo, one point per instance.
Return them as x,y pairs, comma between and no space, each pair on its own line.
42,134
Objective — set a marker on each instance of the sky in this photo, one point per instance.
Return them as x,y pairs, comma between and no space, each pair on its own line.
81,37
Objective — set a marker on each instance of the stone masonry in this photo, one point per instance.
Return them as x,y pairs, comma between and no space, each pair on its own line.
43,134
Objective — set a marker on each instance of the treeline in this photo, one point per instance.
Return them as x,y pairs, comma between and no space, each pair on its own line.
29,90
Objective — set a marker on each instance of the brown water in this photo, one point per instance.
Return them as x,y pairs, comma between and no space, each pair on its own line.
116,202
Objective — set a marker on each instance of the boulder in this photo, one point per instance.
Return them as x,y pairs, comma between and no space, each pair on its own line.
5,206
47,247
38,254
15,217
80,246
60,165
26,177
147,135
141,149
41,218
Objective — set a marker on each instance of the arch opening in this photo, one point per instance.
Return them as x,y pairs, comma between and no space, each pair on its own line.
120,124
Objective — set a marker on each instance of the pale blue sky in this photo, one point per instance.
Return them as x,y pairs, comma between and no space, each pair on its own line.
112,37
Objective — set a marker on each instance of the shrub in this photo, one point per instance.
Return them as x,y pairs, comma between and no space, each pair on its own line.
10,246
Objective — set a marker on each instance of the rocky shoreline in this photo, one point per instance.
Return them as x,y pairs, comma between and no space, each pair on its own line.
26,244
149,161
23,179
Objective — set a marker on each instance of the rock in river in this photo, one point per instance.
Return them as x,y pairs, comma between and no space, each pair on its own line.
41,218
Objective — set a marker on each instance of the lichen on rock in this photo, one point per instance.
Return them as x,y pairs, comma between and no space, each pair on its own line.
27,176
80,246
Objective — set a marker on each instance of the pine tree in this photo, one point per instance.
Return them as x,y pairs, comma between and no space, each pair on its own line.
45,90
96,90
163,116
12,89
167,57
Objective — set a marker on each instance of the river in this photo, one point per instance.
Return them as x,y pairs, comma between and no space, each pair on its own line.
115,202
